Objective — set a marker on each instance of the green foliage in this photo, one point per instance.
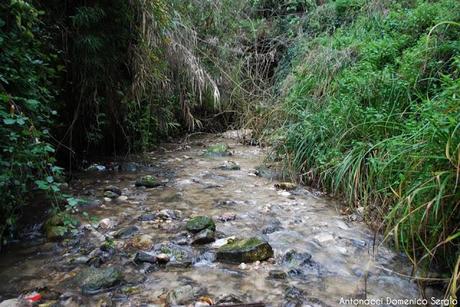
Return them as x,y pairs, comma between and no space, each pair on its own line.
373,113
26,110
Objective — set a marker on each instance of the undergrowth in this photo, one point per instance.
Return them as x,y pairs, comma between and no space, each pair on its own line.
372,113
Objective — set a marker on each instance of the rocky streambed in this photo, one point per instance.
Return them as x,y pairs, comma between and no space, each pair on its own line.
202,224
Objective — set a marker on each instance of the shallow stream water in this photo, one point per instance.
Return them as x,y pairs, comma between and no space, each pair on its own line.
345,261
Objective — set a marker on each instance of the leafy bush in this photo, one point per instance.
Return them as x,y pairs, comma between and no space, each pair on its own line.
26,110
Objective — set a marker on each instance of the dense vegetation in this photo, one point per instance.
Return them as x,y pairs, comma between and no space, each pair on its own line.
358,97
372,112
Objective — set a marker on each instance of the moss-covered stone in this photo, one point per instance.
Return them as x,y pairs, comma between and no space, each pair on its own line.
94,280
245,250
147,181
58,226
199,223
217,150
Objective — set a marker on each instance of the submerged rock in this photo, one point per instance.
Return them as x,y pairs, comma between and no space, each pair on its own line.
229,166
204,237
300,265
293,297
227,217
95,280
182,295
199,223
245,250
148,181
217,150
294,259
277,274
274,225
145,257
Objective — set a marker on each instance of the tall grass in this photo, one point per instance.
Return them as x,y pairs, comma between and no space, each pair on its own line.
372,113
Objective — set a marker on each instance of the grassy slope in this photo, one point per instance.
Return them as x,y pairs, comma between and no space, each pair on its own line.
372,113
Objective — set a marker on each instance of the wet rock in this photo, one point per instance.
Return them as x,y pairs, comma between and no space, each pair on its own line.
277,274
245,250
179,256
293,297
274,225
95,280
300,265
142,242
148,181
227,217
113,189
221,242
229,166
145,257
267,172
129,167
358,243
96,168
204,237
182,238
168,214
126,232
229,299
182,295
110,194
147,217
199,223
205,259
217,150
324,237
106,224
163,258
294,259
288,186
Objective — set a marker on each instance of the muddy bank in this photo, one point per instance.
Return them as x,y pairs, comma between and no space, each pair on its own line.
139,244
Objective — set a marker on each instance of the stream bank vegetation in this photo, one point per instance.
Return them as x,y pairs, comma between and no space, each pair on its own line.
357,97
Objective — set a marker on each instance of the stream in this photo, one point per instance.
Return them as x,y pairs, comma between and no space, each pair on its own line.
320,255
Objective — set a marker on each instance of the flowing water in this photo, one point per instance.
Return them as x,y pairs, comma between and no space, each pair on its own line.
346,262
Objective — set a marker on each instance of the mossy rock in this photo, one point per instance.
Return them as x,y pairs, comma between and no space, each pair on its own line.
58,226
148,181
245,250
95,280
56,233
217,150
199,223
